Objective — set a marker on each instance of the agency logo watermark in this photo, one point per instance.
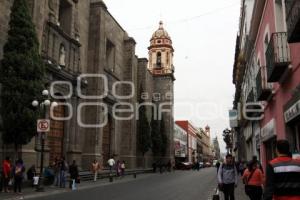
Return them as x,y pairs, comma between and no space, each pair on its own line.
124,111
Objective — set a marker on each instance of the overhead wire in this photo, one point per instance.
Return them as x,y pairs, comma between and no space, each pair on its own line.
183,20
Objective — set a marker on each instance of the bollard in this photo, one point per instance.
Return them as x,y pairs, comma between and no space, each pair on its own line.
134,175
111,178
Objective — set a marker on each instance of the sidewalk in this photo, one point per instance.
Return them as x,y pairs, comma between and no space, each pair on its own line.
239,191
28,193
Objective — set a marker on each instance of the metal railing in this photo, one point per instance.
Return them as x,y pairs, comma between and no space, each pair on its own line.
278,53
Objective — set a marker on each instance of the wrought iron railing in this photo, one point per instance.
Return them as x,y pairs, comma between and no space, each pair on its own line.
277,54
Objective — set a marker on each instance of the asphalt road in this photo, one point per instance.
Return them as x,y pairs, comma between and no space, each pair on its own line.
181,185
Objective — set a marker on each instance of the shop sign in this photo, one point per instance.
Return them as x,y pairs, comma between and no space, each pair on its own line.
292,112
180,148
233,118
296,155
268,131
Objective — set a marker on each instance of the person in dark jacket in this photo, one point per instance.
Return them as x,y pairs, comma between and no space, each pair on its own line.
74,174
283,175
31,173
18,173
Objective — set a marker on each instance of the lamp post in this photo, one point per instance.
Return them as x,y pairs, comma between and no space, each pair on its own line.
44,104
227,139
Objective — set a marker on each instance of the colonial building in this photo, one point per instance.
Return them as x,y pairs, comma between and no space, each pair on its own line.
191,139
92,71
266,71
180,143
206,144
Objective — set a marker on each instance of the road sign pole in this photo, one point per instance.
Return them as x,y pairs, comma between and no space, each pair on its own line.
40,183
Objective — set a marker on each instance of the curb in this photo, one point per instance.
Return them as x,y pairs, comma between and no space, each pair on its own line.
67,190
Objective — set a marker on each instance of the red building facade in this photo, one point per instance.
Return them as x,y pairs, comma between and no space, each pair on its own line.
191,139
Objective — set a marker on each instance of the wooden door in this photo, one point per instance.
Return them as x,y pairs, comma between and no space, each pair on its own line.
56,134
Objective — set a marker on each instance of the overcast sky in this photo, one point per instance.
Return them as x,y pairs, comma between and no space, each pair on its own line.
203,34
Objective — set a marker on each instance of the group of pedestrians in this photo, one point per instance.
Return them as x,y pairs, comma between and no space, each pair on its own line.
60,170
12,175
280,182
118,166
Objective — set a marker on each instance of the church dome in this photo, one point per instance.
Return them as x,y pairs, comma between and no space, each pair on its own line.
160,32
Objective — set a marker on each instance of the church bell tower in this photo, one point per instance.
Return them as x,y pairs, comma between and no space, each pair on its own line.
161,53
161,68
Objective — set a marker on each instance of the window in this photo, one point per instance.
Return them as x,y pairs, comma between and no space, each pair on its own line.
168,58
266,42
158,59
65,16
110,55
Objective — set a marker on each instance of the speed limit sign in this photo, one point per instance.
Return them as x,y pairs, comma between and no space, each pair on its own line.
43,125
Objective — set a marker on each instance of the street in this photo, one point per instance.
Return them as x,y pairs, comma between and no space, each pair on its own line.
183,185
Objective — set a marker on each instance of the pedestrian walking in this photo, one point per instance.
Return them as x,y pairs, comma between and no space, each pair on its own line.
283,175
118,168
160,166
111,163
227,178
63,167
218,166
169,166
123,167
253,179
18,174
241,168
6,173
95,169
56,171
259,165
74,175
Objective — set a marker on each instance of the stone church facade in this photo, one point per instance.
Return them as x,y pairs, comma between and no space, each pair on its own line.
91,70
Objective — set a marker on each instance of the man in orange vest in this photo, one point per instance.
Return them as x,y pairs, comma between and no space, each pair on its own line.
283,175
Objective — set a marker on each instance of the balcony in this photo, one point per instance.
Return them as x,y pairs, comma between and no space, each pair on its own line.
251,106
277,56
293,20
264,90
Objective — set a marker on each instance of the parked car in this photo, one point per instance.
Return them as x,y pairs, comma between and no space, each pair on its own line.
201,164
207,164
184,165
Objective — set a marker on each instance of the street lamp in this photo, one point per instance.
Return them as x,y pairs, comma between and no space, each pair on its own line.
227,139
43,106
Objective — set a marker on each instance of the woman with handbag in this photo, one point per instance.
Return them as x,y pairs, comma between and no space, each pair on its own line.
253,179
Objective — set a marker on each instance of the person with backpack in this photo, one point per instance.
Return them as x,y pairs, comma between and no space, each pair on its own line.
227,178
18,174
253,178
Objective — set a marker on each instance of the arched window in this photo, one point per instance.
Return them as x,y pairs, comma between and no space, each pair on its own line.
158,59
